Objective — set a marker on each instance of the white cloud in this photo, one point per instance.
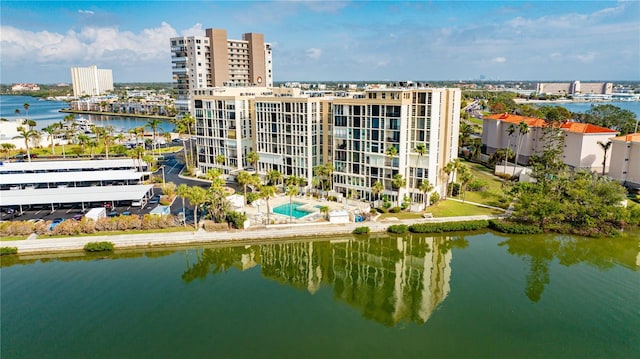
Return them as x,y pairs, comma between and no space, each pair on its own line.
313,53
90,44
195,30
588,57
499,60
86,12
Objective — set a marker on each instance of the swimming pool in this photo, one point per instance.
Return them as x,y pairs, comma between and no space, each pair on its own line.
284,209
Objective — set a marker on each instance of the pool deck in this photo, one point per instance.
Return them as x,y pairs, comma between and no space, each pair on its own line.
258,214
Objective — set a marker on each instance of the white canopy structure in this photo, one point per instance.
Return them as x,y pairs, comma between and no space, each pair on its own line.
74,177
57,196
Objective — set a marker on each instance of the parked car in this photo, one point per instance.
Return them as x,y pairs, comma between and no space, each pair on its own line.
154,200
125,213
77,217
113,214
55,223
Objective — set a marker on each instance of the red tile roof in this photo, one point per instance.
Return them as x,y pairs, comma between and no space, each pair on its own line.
576,127
632,137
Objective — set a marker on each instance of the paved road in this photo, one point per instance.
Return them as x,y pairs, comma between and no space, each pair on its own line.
187,238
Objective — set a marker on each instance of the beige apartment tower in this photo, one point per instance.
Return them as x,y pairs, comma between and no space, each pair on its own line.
214,60
91,81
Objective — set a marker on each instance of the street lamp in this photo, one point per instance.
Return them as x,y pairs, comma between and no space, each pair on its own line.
162,167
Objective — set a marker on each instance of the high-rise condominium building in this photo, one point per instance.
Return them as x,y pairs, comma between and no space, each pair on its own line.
214,61
294,131
91,81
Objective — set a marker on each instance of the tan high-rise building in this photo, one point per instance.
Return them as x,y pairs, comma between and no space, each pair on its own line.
91,81
214,60
294,131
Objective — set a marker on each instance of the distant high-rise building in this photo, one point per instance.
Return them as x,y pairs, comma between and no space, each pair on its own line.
214,61
91,81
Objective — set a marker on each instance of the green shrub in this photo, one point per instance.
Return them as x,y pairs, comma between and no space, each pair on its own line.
386,204
98,247
4,251
454,189
395,209
477,185
514,228
252,197
361,230
434,198
448,226
236,219
398,228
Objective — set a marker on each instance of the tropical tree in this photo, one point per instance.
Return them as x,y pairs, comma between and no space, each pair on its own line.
325,210
185,125
6,148
267,192
510,130
319,173
28,134
450,169
26,108
52,130
291,191
465,177
17,111
253,158
221,159
425,187
523,130
398,182
92,144
137,153
213,175
377,188
391,151
605,147
328,171
196,196
183,192
274,177
244,178
154,124
83,141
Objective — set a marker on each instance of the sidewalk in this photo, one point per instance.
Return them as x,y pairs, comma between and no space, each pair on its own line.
121,241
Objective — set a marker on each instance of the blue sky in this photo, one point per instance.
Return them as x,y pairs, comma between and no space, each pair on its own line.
331,40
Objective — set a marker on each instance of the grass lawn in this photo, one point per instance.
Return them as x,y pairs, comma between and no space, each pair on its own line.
13,238
401,215
452,209
493,195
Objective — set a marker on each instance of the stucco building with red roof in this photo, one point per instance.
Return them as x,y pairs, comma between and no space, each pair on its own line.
581,149
625,159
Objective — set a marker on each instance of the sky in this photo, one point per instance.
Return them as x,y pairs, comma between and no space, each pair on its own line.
331,40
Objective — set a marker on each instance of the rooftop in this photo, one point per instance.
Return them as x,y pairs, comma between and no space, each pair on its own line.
575,127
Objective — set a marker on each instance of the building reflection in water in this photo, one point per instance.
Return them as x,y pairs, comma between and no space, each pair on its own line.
389,279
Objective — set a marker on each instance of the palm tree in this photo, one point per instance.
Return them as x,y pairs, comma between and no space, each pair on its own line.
253,158
153,124
196,196
510,130
221,159
93,144
17,111
523,129
214,176
397,183
325,210
267,192
425,187
183,191
377,188
605,147
274,177
244,178
465,178
83,140
328,171
319,172
6,148
448,169
391,151
52,130
28,134
26,108
291,191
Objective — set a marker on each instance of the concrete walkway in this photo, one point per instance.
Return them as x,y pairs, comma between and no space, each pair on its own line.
121,241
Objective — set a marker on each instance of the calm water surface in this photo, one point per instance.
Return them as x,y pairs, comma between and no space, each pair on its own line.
473,296
46,113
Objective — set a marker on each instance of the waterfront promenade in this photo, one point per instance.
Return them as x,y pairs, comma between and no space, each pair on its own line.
252,235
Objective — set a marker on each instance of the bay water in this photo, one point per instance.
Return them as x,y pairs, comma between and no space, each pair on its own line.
473,295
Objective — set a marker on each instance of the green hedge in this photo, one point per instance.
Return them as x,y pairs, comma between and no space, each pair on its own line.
98,247
395,209
4,251
398,228
361,230
448,226
514,228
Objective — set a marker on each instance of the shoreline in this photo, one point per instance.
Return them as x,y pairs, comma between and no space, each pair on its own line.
115,114
248,236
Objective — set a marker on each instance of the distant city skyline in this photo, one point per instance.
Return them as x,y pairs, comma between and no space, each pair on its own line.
332,40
